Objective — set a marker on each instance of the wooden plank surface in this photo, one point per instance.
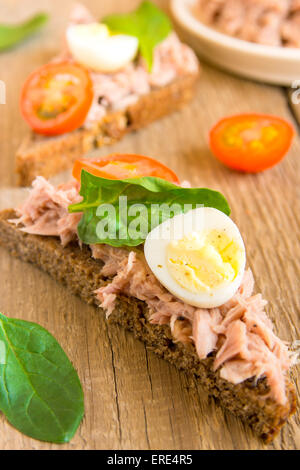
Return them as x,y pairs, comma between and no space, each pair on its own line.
133,400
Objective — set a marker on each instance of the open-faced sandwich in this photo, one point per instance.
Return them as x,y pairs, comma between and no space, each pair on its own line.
165,261
110,78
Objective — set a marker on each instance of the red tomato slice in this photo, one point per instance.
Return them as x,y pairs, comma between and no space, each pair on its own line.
56,98
122,166
251,142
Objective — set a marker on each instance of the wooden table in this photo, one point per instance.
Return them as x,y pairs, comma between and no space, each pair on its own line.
134,400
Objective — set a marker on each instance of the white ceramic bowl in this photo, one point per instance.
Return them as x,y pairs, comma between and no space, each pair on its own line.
277,65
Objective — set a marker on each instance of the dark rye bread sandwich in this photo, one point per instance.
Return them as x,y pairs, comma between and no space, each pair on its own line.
231,350
121,100
46,156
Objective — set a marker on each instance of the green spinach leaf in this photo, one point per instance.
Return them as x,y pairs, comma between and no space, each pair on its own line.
40,392
148,23
10,35
150,197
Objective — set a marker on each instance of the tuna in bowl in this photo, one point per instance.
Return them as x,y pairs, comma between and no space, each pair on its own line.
269,22
264,62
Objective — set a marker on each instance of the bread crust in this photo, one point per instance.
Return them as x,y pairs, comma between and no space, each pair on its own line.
75,268
45,156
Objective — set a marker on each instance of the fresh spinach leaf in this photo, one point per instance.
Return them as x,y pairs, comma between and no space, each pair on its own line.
155,195
10,35
40,392
148,23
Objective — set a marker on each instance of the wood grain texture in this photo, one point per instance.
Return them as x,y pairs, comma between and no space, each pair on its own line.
134,400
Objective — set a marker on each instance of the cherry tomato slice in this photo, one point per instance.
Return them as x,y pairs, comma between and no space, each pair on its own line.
122,166
56,98
251,142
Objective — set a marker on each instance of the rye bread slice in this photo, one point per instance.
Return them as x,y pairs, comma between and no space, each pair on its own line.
75,268
45,156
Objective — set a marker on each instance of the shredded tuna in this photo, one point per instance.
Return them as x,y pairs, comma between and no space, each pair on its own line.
117,91
270,22
45,212
204,336
111,257
236,371
239,332
121,89
172,58
235,344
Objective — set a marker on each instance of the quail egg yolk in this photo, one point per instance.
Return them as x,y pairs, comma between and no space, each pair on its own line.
202,262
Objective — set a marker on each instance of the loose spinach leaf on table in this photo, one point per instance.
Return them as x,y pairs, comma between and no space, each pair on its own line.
10,35
40,392
148,23
155,194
